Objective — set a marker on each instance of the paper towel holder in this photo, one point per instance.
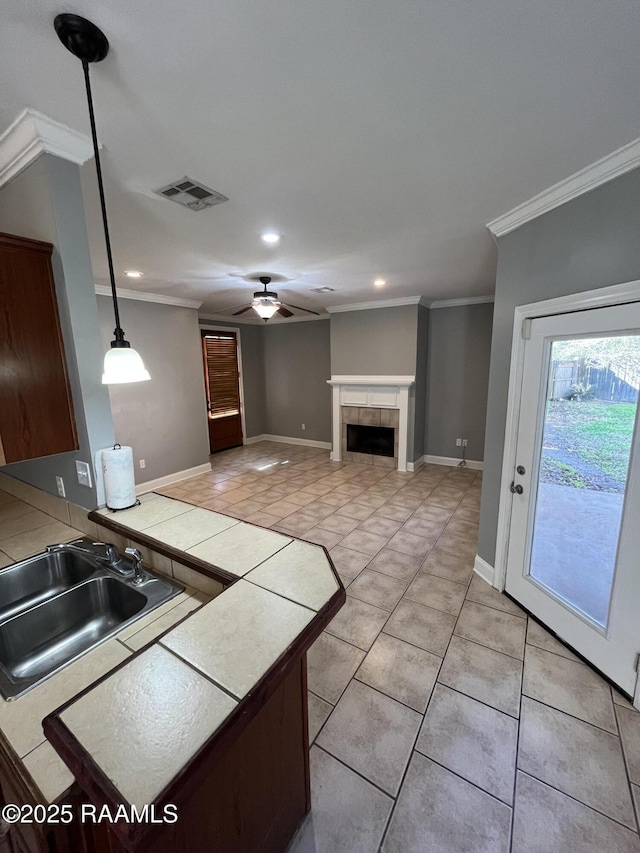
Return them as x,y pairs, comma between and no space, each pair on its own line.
118,446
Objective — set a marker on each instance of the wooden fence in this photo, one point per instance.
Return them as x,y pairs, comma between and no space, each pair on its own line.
611,382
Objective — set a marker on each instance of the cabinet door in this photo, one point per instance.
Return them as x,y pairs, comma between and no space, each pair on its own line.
36,411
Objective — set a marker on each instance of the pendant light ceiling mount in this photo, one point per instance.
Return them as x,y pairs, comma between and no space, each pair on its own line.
85,41
89,44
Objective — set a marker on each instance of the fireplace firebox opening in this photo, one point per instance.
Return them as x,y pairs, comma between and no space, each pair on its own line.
375,440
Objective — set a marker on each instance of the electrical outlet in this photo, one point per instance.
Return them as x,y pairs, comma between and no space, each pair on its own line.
458,442
83,472
464,442
143,464
60,485
304,426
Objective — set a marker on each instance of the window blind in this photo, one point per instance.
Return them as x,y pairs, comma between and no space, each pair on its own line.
221,371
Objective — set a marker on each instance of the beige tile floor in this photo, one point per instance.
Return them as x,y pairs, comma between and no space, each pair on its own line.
442,718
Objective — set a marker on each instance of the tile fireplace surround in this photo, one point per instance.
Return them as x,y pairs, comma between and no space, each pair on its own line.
365,399
370,416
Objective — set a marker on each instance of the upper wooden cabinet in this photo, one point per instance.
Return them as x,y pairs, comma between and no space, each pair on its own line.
36,410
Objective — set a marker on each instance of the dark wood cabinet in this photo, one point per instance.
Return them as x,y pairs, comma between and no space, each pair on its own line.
36,409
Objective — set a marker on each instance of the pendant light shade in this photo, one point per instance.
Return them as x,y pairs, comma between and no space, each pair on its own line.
123,365
89,44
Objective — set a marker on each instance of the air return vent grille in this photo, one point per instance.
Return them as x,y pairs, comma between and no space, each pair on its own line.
191,194
323,290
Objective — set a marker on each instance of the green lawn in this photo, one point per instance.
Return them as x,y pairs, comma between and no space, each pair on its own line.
587,444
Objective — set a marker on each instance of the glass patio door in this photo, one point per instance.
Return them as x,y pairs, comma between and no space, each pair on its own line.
574,545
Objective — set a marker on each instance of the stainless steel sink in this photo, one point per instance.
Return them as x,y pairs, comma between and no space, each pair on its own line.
28,583
57,606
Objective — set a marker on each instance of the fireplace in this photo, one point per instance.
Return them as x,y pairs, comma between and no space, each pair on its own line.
376,440
369,435
372,401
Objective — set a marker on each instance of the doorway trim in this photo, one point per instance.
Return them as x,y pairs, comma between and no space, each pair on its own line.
617,294
209,327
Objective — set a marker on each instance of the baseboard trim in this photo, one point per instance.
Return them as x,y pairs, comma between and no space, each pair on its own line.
417,464
286,439
159,482
452,460
482,568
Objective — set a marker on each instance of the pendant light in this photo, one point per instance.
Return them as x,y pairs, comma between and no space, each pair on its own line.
89,44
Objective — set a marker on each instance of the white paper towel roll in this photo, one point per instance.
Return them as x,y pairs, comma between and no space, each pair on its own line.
119,480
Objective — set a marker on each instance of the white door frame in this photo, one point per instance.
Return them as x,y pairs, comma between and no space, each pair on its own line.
209,327
617,294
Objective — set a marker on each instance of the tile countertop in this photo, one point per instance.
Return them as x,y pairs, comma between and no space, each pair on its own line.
199,673
21,719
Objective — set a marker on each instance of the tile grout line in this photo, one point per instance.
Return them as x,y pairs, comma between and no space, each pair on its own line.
515,769
626,765
570,715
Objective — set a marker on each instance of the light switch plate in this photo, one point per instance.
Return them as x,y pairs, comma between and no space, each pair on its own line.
84,473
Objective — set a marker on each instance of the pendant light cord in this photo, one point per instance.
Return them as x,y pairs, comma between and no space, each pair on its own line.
119,334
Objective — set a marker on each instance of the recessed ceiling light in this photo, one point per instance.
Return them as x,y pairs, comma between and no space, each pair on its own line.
270,237
380,282
133,273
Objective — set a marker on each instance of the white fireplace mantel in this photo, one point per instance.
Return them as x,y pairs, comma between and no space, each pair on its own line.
380,392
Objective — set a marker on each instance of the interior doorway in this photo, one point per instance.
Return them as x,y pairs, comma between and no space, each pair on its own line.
223,384
571,482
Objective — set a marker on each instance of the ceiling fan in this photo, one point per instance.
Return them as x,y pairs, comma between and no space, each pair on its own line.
266,304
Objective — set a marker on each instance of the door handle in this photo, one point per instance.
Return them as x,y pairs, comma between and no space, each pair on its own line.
516,490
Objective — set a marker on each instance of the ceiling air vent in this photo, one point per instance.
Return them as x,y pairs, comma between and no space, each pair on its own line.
191,194
323,290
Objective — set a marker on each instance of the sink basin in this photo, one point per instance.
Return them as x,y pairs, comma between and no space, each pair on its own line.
32,581
58,606
44,637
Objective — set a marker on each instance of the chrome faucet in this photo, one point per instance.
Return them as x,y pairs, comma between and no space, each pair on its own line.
136,559
110,556
106,554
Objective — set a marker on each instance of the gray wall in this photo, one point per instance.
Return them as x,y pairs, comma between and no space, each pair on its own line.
45,203
589,242
164,420
284,369
458,378
378,342
252,347
297,366
252,351
419,391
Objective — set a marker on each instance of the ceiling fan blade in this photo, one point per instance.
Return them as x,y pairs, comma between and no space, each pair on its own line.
248,308
299,308
285,311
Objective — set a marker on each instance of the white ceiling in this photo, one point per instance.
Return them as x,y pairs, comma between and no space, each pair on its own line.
378,137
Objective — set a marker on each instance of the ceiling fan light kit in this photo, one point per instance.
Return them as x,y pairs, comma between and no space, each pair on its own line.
266,303
89,44
265,308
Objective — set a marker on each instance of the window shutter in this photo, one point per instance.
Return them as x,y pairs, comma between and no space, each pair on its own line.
221,362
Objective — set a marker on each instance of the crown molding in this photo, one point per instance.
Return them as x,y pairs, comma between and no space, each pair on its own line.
382,303
469,300
606,169
143,296
33,134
